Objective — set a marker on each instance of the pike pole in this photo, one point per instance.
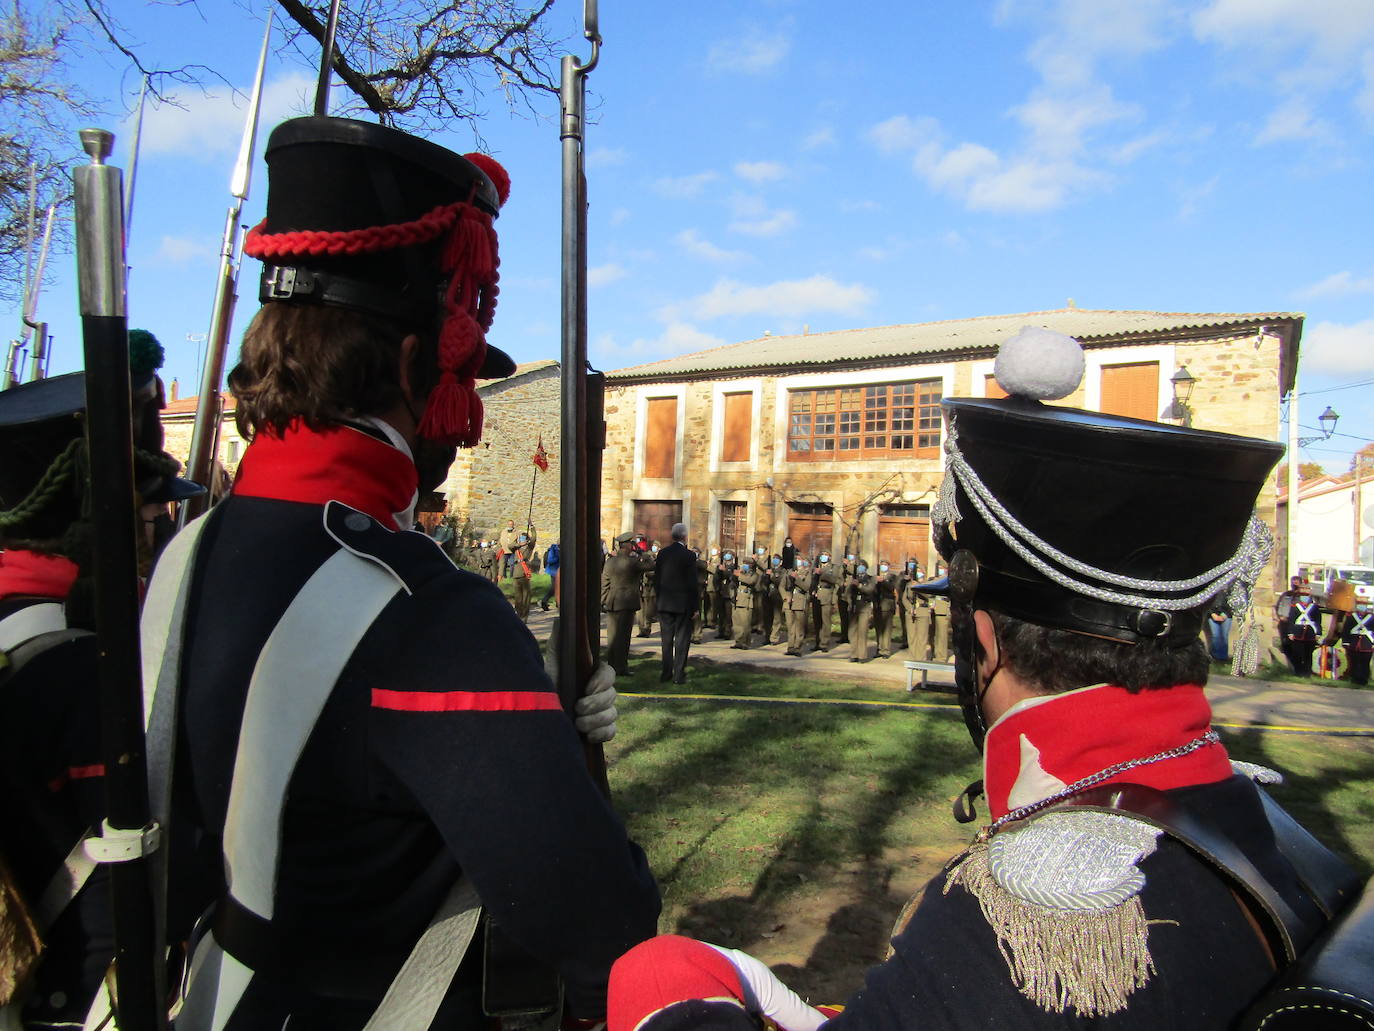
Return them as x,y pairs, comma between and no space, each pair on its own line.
583,424
205,434
127,838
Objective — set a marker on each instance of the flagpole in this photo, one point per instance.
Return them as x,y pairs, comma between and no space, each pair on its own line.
529,516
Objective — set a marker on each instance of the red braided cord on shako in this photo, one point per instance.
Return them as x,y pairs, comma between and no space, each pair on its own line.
469,255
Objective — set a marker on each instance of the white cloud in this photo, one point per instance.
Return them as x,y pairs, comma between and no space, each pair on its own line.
900,133
817,138
620,216
684,187
1192,198
772,224
852,206
182,250
677,338
1340,284
784,299
691,241
875,253
1291,122
601,275
750,54
760,171
1340,349
606,157
210,125
1333,26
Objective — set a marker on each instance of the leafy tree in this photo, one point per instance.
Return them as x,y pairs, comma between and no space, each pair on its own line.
1306,471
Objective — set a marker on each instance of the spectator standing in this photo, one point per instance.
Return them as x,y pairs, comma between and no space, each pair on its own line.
675,587
551,567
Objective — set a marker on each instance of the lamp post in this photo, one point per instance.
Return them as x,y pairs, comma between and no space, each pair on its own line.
1183,382
1327,420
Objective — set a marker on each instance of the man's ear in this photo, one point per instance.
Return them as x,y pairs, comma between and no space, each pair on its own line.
989,647
409,346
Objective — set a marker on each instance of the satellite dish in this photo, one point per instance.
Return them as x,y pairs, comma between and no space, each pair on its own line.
1369,516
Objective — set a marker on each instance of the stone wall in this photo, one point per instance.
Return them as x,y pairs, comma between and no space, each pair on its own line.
490,483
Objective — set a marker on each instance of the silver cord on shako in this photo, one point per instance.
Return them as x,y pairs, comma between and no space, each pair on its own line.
1238,571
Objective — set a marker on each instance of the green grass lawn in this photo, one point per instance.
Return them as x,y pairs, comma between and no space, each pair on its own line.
797,831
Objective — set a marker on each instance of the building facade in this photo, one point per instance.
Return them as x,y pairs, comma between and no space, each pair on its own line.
835,439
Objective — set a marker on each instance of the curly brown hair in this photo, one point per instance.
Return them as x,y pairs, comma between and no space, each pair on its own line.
323,365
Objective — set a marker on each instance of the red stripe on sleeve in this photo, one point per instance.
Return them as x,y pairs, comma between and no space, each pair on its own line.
464,701
76,773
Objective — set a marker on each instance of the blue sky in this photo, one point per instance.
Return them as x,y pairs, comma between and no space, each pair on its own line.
779,164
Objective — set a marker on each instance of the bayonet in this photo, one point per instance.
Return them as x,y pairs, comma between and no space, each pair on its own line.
205,434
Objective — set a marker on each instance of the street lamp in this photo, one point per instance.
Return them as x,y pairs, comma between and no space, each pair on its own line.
1327,420
1182,382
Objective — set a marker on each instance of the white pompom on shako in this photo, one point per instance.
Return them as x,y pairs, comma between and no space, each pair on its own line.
1039,363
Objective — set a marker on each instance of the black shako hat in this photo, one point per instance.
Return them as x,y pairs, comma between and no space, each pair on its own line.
365,216
1102,525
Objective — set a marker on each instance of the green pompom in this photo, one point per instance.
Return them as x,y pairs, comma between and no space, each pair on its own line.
145,353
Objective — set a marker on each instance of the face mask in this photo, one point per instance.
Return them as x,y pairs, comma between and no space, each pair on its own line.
863,569
654,549
729,557
777,562
850,557
787,543
824,559
748,565
911,567
882,567
715,551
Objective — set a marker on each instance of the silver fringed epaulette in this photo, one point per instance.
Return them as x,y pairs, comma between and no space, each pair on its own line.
1061,893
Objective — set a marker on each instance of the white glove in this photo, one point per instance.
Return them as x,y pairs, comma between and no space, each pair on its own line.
776,1001
595,710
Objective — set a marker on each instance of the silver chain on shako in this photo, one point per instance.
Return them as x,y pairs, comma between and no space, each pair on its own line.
1239,571
1094,779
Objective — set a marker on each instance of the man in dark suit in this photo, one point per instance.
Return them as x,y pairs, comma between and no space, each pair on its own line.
675,581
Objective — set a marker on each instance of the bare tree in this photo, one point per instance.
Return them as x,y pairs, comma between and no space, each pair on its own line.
35,145
423,64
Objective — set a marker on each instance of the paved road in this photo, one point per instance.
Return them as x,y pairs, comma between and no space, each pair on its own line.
1320,706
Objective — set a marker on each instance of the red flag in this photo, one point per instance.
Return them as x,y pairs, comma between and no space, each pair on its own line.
541,457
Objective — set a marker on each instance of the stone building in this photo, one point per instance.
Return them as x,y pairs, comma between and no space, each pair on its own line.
493,482
834,439
178,424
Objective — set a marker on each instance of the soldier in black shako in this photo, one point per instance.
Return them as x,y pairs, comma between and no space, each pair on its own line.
369,744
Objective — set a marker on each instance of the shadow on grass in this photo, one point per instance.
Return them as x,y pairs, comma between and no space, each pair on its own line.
1329,790
813,812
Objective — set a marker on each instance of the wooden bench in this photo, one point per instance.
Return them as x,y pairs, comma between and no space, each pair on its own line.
925,668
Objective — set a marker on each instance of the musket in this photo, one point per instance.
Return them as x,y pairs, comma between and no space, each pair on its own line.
11,375
205,434
127,838
583,425
39,370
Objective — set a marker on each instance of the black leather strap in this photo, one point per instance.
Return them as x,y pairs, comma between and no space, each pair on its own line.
1289,930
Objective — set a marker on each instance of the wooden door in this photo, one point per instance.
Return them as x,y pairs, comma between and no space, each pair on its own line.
903,532
811,528
655,519
734,522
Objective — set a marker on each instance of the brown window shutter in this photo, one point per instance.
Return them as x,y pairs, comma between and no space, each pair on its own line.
991,388
660,437
738,429
1131,390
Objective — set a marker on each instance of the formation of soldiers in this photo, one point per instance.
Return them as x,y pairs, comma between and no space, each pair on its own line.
784,599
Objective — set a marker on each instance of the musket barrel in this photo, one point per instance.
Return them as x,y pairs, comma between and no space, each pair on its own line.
114,524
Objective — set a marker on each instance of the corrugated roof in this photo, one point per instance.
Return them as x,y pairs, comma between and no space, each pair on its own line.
982,334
